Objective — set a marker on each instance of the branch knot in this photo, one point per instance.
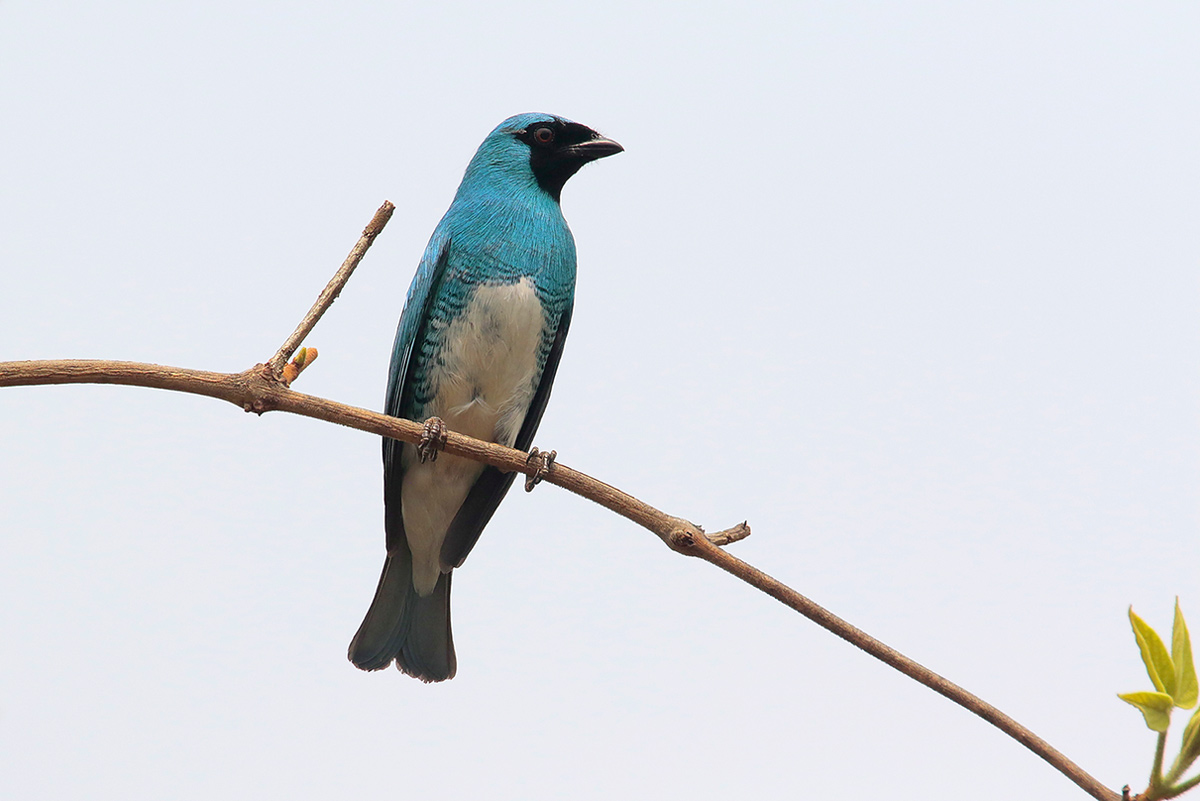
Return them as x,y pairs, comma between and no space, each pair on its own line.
260,388
683,539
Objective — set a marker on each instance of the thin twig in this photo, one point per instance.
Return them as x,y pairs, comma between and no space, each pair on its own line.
332,289
260,389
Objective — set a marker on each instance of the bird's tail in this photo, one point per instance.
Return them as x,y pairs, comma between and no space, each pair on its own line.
403,626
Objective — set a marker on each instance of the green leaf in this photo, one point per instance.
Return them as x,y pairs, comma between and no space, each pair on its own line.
1156,707
1189,750
1154,655
1186,688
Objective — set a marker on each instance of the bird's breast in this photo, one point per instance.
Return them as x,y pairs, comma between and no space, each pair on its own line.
486,369
482,378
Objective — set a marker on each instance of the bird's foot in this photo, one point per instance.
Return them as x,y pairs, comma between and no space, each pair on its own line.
545,460
433,439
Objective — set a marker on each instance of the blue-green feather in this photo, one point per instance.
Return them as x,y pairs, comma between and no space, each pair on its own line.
501,228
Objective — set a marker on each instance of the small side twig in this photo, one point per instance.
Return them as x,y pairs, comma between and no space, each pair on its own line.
332,289
730,535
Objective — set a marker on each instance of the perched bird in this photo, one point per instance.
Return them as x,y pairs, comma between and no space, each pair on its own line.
476,351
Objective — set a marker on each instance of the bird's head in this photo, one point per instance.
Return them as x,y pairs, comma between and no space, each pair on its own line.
538,149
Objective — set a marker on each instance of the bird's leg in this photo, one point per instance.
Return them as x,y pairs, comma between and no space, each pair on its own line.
433,439
545,460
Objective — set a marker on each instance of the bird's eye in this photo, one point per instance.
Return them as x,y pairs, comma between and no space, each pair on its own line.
543,136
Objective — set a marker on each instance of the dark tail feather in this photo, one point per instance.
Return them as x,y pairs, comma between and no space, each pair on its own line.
401,625
428,651
382,633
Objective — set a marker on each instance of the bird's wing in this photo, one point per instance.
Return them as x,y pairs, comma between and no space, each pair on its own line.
413,320
490,488
400,625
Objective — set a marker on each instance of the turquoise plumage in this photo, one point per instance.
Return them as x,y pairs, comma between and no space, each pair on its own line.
477,346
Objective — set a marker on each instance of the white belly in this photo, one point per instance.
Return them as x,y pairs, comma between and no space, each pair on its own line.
482,387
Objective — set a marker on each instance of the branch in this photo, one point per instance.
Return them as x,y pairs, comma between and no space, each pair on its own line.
914,670
261,389
332,289
256,391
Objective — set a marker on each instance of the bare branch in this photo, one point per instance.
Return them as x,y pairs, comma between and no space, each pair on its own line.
254,391
261,389
914,670
332,289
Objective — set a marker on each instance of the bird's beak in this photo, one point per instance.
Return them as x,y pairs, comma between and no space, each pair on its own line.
593,149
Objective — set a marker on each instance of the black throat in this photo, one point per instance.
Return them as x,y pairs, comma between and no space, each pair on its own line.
553,163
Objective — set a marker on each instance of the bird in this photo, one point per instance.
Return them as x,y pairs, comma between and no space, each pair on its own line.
476,350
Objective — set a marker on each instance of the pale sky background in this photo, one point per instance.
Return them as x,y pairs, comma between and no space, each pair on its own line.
912,287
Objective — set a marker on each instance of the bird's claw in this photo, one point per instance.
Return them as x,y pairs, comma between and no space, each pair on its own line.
433,439
545,460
